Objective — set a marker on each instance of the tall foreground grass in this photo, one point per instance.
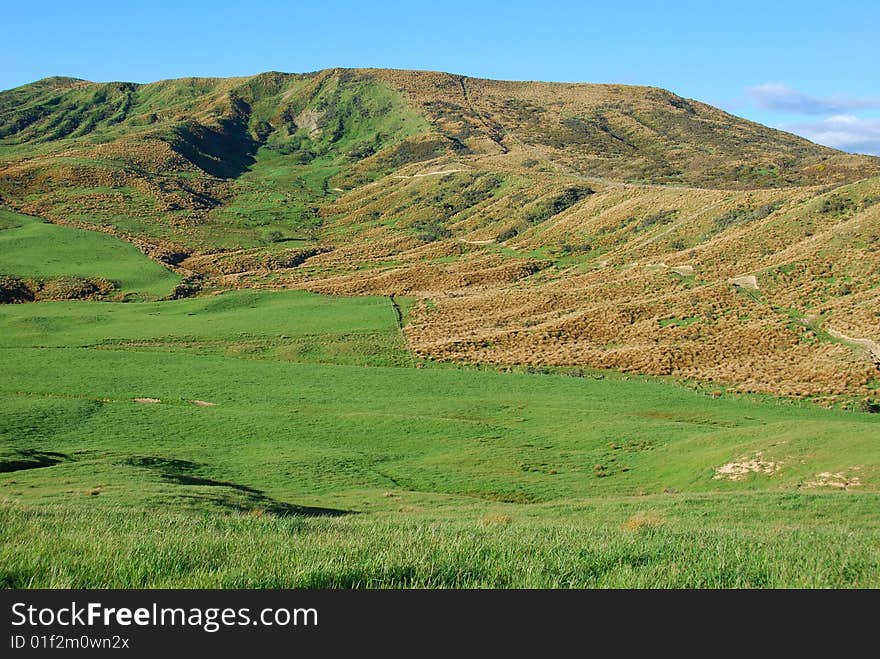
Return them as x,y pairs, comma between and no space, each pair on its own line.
65,547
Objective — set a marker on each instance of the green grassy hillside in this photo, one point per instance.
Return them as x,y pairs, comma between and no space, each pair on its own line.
200,162
36,250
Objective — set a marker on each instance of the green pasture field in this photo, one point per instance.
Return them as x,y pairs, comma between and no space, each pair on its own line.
31,248
267,439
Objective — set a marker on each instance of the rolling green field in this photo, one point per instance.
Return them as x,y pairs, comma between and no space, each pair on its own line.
287,325
267,439
31,248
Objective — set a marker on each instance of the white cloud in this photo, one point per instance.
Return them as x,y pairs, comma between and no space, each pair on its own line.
780,97
843,131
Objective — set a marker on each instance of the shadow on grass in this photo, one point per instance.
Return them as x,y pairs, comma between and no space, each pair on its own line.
250,501
30,459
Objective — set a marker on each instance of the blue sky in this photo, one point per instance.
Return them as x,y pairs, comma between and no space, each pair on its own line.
808,67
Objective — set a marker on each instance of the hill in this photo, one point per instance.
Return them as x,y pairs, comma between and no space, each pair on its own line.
546,224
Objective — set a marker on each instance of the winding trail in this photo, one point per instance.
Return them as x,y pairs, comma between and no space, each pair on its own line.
491,241
872,347
440,173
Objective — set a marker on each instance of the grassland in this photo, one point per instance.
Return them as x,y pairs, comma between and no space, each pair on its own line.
33,249
652,542
189,438
289,324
